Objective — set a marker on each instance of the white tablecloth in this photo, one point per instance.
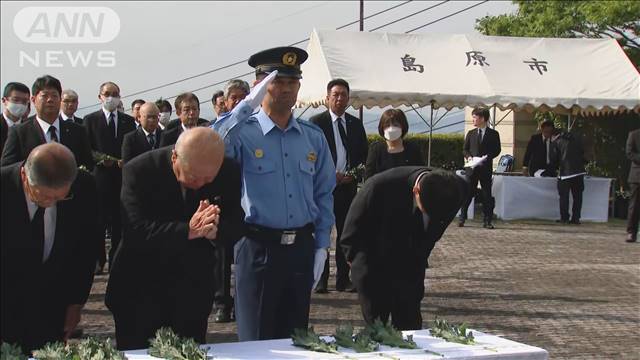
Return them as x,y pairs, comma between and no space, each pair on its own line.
521,197
487,347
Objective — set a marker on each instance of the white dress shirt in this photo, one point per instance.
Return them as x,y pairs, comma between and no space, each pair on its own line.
146,135
115,117
45,128
9,122
50,217
341,151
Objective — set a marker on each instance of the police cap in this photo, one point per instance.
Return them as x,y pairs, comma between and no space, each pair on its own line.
286,60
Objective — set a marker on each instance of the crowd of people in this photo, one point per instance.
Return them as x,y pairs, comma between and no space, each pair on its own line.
182,199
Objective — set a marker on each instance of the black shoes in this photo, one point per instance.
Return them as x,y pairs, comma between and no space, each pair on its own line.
631,238
346,286
321,290
461,223
488,225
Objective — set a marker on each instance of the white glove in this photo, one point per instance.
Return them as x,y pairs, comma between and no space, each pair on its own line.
318,265
254,99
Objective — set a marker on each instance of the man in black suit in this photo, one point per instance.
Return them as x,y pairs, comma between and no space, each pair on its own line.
390,230
15,100
163,272
568,154
633,154
46,127
48,242
188,111
538,153
68,106
348,143
147,135
107,128
479,142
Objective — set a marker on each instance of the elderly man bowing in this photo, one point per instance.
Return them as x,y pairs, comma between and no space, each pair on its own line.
162,275
50,231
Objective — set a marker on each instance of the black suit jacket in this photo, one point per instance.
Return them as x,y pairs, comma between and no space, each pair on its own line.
155,259
568,154
170,135
35,294
76,119
4,132
633,154
27,135
490,146
357,145
136,143
381,235
535,157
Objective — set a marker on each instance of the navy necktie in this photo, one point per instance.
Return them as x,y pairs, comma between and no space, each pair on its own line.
52,134
37,231
112,125
152,140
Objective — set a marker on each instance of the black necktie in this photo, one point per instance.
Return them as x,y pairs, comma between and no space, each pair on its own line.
52,133
344,139
37,231
152,140
112,125
479,136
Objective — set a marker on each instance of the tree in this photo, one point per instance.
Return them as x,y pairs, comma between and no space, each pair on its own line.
619,20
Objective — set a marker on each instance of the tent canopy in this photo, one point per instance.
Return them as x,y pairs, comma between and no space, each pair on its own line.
562,75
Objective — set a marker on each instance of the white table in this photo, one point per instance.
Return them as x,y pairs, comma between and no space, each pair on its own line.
487,347
522,197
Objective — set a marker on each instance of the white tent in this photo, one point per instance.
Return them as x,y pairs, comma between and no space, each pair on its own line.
562,75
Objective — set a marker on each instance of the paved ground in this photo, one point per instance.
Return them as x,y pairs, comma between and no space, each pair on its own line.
573,290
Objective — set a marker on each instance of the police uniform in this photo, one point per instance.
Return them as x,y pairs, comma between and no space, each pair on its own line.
288,178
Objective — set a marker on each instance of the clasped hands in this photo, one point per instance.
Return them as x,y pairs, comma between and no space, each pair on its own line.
204,222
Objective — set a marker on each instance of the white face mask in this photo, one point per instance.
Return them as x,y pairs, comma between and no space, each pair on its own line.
165,117
392,133
16,109
111,103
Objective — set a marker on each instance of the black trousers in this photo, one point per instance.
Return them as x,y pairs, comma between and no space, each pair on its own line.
634,209
222,274
342,197
575,185
381,296
488,202
109,183
138,322
273,286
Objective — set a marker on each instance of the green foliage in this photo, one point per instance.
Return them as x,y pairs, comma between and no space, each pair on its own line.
11,352
308,339
87,349
386,334
446,149
360,342
570,19
452,333
168,345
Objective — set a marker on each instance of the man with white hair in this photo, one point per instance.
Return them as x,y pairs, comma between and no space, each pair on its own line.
234,92
49,235
162,272
69,106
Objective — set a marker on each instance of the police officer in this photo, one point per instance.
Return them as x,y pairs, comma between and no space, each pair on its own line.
288,178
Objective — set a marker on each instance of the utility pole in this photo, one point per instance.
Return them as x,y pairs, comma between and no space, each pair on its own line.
361,113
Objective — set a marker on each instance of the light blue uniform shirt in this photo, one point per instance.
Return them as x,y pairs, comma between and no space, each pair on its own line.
288,176
222,120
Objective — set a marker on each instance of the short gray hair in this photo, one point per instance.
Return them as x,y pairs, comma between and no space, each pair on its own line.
236,84
69,92
51,165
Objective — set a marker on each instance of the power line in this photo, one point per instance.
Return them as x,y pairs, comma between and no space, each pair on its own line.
446,17
410,15
245,60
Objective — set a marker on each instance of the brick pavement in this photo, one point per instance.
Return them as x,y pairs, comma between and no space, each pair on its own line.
573,290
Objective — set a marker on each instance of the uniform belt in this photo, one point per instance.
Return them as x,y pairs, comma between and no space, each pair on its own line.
279,236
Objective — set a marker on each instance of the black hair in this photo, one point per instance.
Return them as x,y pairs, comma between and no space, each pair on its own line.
440,193
162,103
44,82
335,82
137,101
481,112
15,86
547,123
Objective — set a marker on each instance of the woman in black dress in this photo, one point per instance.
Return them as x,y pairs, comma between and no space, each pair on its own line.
392,152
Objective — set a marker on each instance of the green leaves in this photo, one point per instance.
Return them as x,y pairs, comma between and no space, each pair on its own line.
87,349
11,352
360,342
452,333
308,339
386,334
169,346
